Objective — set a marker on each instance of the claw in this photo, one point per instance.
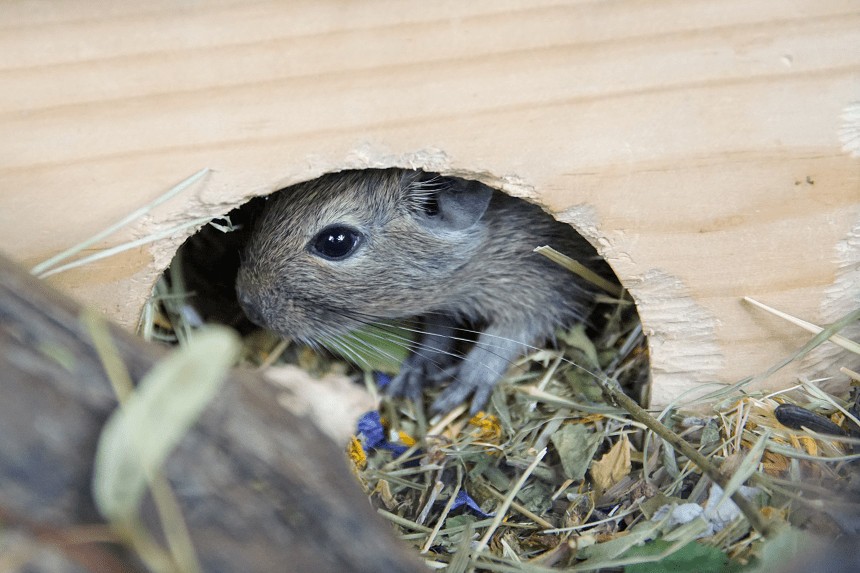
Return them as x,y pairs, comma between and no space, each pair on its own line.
407,383
458,392
417,371
481,397
453,395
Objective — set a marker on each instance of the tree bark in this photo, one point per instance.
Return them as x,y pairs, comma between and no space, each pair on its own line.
260,488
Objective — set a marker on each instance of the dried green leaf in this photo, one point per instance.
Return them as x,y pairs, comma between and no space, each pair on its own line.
575,444
788,545
576,338
693,557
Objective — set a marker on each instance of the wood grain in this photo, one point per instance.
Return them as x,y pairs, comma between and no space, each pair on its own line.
694,142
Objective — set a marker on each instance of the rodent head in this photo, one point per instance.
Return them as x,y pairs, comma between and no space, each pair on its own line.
349,248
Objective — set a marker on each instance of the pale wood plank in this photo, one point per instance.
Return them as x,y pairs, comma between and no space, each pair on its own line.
678,135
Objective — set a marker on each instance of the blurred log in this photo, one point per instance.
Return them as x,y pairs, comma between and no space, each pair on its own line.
260,488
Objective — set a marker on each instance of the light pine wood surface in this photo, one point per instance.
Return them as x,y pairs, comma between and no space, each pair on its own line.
694,142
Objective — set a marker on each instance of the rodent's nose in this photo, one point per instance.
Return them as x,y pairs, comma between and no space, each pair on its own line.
251,308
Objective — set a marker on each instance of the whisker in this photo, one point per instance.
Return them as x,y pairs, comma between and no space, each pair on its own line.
355,349
369,319
417,344
342,348
370,348
410,343
463,339
414,344
386,328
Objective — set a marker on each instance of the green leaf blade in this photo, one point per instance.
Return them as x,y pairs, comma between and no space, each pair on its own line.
141,433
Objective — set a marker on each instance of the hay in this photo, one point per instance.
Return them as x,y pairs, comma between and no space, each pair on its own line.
554,477
539,425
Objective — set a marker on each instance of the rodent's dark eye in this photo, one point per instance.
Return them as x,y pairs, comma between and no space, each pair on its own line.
336,242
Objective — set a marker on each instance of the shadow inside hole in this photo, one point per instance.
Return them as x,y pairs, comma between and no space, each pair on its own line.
203,271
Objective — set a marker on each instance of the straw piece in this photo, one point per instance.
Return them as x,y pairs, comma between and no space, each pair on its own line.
40,269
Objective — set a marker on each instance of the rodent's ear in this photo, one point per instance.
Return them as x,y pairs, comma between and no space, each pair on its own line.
457,204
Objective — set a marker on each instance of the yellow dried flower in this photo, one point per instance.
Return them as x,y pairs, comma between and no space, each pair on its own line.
356,454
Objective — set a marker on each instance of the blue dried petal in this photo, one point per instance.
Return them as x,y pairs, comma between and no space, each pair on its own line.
464,498
396,449
370,427
373,436
382,379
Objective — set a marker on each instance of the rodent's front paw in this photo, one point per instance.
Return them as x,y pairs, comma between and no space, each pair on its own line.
407,383
459,391
418,370
437,376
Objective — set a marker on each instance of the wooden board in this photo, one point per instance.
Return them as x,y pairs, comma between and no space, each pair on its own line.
694,142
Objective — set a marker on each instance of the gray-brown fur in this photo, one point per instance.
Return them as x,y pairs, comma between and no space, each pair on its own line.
463,258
